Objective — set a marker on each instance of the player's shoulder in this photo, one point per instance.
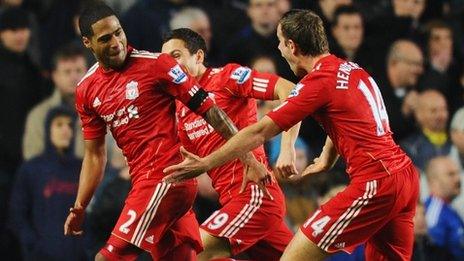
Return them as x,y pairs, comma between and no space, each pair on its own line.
89,76
237,72
144,55
326,68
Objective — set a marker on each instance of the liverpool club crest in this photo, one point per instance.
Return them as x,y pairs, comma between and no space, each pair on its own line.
132,91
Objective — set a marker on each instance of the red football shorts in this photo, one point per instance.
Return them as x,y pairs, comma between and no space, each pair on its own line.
157,217
253,223
378,212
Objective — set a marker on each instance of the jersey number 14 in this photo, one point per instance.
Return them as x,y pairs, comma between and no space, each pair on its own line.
374,98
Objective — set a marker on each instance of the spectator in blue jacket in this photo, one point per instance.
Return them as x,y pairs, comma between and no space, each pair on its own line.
445,227
45,188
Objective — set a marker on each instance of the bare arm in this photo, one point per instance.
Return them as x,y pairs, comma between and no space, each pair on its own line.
221,122
285,165
217,118
227,129
325,161
244,141
93,166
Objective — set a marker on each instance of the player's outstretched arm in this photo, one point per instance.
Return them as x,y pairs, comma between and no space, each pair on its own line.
285,165
93,166
325,161
244,141
217,118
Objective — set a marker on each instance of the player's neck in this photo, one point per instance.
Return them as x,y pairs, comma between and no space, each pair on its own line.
201,70
308,62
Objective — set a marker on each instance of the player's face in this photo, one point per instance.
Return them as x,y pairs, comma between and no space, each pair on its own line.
286,51
68,73
177,49
108,43
349,31
61,132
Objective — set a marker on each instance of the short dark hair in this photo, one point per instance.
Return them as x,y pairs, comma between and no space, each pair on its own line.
436,24
306,29
68,51
91,14
193,41
345,10
14,18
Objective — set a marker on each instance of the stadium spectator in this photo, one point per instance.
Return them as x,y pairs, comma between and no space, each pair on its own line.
34,44
423,249
68,67
120,6
44,189
348,33
21,90
56,27
445,227
398,17
259,37
264,64
443,67
398,83
283,6
431,139
197,20
147,20
457,154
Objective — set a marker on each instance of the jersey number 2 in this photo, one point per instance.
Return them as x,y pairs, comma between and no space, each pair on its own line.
375,100
124,227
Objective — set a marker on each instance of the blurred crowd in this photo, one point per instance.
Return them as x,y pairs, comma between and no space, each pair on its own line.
412,48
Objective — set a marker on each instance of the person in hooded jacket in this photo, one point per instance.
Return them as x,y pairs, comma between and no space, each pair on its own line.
45,188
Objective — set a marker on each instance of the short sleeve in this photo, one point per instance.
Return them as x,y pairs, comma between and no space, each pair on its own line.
181,85
92,125
248,83
308,96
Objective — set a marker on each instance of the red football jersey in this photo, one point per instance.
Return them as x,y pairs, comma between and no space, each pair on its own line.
233,88
348,104
137,104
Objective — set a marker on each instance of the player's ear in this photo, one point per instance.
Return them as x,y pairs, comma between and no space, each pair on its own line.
86,42
293,47
200,56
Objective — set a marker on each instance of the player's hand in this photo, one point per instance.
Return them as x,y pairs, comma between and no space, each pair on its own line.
257,173
285,166
72,226
319,165
191,167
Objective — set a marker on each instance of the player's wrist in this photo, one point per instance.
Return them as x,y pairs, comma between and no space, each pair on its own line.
78,207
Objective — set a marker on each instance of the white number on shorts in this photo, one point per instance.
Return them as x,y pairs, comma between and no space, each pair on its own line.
124,227
375,100
318,225
218,221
